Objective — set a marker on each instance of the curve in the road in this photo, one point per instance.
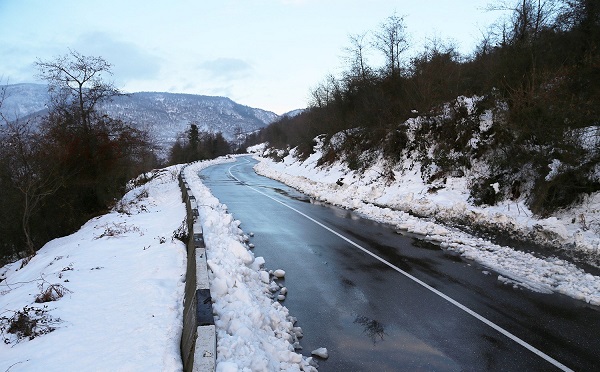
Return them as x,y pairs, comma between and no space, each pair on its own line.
479,317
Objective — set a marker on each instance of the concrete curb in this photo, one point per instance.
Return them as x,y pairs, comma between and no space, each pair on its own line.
198,340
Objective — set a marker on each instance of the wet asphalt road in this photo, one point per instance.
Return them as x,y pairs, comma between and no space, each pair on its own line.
371,317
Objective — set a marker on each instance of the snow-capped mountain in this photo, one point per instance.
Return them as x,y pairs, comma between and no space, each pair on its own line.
165,115
20,100
293,113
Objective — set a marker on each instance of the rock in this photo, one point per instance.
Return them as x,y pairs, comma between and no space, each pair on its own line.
279,273
321,352
283,291
280,297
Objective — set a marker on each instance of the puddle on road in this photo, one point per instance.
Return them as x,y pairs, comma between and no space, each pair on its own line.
448,253
296,196
425,244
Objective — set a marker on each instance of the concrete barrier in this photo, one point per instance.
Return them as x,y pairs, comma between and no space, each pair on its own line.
198,339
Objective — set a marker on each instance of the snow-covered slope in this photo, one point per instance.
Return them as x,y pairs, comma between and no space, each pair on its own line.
400,201
293,113
121,277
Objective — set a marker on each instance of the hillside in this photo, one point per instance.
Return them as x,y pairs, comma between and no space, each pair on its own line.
165,115
517,119
447,168
492,236
23,99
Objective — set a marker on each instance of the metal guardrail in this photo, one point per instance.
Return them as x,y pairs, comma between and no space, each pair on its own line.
198,340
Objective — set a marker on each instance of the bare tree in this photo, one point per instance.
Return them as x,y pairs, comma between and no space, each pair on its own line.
96,153
579,13
76,83
34,177
391,40
356,56
527,18
326,92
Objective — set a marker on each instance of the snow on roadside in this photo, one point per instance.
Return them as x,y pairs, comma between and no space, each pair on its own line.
398,202
122,275
254,332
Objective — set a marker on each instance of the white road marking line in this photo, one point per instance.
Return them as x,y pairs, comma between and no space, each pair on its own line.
418,281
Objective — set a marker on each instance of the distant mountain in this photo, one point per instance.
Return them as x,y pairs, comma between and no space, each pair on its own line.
164,115
21,100
167,114
293,113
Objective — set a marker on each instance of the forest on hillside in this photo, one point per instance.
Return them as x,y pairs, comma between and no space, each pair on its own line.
193,145
535,73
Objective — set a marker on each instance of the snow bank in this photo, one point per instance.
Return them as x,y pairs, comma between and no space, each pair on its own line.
122,278
412,206
254,332
257,149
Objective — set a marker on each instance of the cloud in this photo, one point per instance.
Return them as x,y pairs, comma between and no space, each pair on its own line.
226,68
17,64
129,61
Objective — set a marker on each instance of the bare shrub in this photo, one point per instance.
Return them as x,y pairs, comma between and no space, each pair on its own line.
116,229
181,233
50,293
30,322
127,207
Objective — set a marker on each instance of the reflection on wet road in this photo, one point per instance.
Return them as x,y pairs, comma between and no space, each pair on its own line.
372,328
362,304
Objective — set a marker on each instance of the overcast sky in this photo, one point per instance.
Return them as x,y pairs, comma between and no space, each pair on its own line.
261,53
